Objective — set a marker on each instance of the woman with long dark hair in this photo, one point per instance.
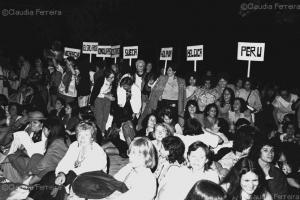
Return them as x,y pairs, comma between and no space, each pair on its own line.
225,104
246,181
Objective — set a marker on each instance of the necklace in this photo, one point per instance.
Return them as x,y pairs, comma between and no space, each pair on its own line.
81,157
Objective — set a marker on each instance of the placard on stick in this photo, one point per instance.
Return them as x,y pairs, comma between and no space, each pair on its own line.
115,52
130,52
166,54
251,52
75,53
194,53
90,48
104,52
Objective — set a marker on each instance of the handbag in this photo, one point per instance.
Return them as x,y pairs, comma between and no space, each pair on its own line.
252,110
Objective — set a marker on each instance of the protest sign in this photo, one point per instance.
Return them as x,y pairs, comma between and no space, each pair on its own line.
194,53
166,54
130,52
90,48
250,52
115,52
75,53
104,52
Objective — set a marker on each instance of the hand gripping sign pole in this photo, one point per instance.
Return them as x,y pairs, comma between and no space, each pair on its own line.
166,54
194,53
90,48
250,52
130,52
115,52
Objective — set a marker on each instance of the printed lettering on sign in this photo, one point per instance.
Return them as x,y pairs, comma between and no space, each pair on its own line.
104,51
90,48
130,52
115,51
75,53
251,51
166,53
194,52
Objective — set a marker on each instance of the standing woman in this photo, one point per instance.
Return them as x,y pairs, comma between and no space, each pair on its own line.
192,86
246,181
129,100
101,98
67,88
170,90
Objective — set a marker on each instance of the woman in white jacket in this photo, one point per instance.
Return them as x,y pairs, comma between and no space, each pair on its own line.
129,100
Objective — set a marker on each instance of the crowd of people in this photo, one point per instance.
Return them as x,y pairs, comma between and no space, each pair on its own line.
191,136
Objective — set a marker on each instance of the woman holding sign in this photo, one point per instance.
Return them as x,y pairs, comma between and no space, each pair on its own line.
169,90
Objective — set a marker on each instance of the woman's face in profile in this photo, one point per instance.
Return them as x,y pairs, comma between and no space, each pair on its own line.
249,182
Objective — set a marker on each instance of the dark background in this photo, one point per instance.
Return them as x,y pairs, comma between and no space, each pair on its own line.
218,25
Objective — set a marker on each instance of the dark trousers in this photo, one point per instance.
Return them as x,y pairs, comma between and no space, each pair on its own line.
168,103
44,188
102,109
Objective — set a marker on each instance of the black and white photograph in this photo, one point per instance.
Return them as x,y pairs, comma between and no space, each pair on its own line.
149,100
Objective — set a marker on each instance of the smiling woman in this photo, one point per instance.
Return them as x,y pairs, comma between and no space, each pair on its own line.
246,181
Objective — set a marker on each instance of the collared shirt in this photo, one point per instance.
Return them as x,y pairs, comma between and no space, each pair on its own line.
105,89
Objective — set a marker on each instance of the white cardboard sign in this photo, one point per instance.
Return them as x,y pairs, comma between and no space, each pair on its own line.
75,53
194,52
130,52
166,53
104,52
251,51
89,47
115,51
